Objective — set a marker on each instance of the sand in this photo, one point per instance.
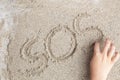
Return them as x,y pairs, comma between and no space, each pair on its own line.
53,39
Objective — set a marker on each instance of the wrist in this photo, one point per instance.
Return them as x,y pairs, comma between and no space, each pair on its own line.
98,78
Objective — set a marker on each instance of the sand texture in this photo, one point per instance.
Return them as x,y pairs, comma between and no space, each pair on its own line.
53,39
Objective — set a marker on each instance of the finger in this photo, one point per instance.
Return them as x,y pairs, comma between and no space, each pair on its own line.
107,46
115,57
97,48
111,51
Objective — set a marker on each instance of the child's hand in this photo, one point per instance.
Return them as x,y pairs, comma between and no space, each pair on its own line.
103,61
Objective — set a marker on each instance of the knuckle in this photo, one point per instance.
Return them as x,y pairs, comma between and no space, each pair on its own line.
108,41
113,47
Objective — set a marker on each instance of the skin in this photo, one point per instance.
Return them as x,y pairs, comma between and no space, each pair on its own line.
103,60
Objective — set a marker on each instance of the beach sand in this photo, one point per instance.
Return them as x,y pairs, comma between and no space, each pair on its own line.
54,39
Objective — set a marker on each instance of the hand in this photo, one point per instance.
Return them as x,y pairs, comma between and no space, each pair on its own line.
103,61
